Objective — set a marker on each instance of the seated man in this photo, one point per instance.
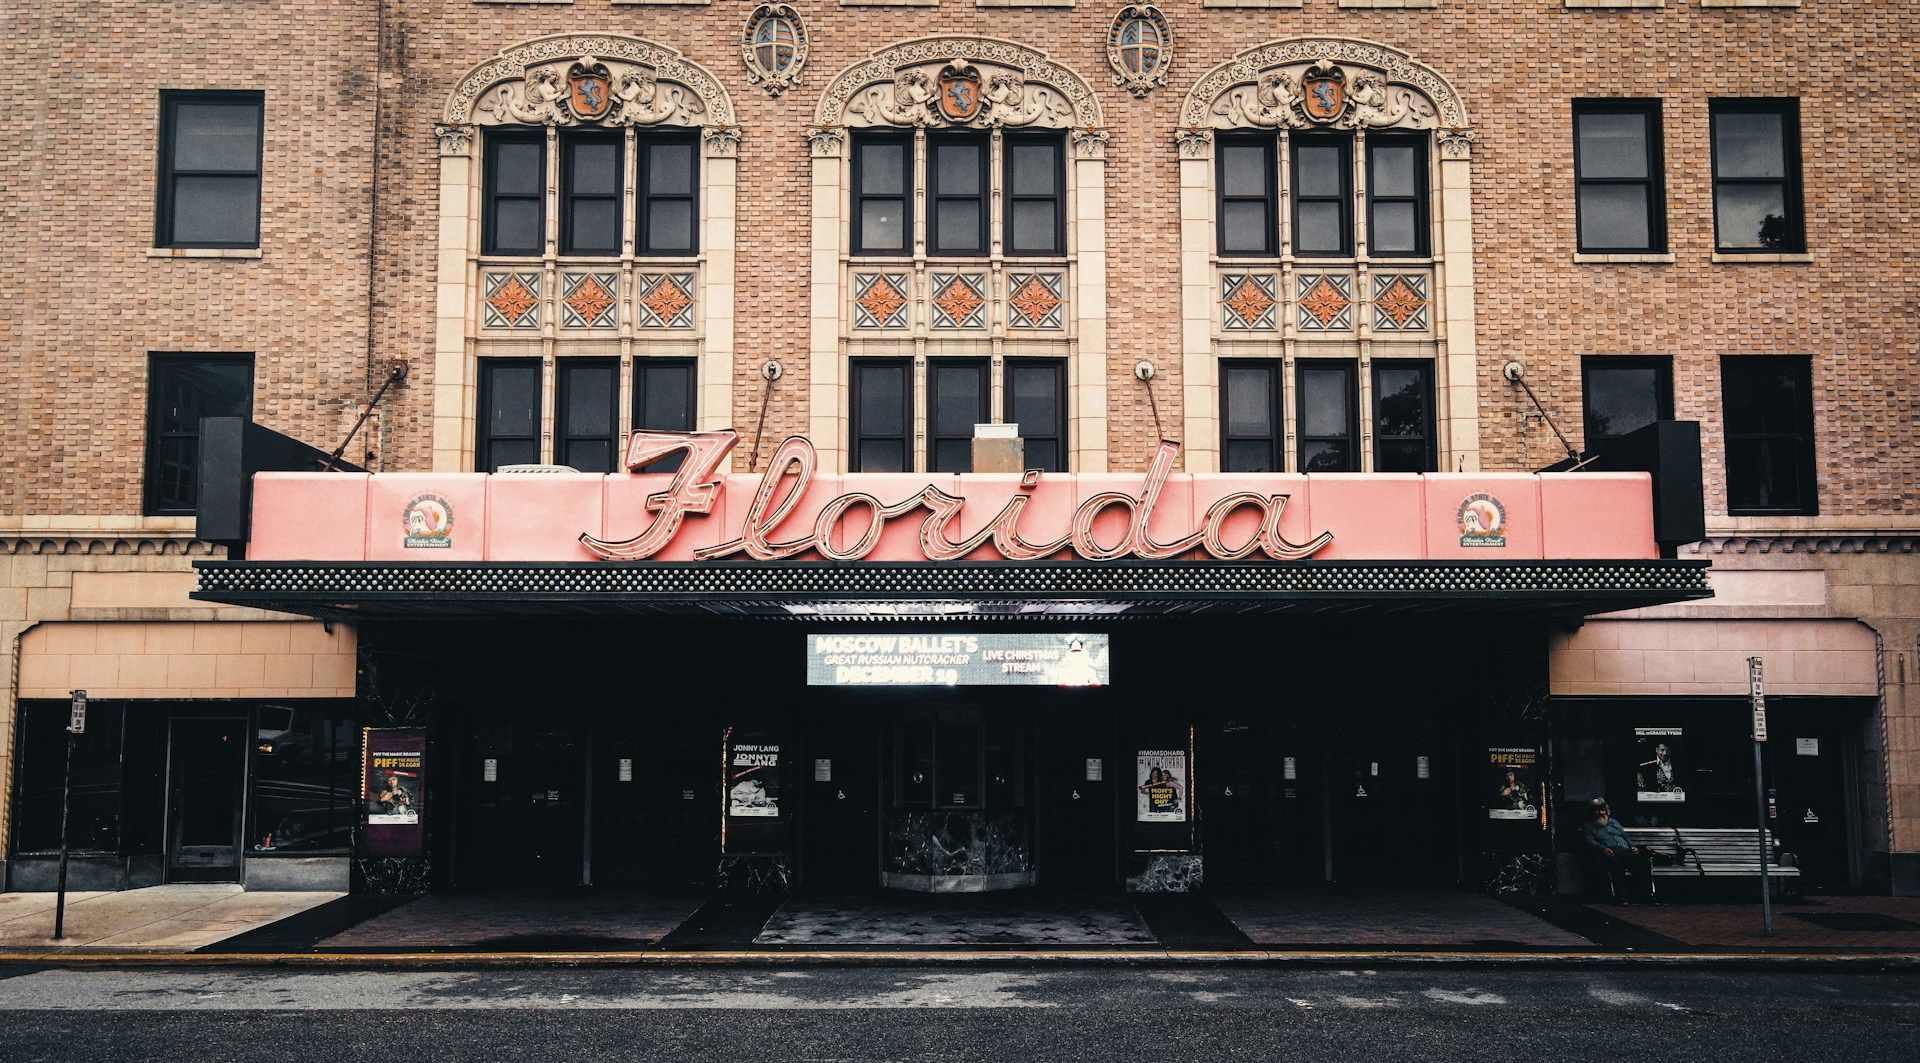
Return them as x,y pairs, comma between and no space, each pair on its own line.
1618,857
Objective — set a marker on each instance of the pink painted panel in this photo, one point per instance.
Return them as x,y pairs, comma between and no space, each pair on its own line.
1297,524
396,498
1597,515
1483,516
309,516
540,516
1373,516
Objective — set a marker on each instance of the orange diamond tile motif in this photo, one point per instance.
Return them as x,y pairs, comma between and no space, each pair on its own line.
1035,302
668,300
880,299
512,300
1248,300
1400,302
957,300
1326,302
588,300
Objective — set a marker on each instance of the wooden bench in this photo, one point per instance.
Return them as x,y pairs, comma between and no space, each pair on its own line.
1714,853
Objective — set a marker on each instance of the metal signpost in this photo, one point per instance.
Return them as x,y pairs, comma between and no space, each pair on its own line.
76,726
1759,699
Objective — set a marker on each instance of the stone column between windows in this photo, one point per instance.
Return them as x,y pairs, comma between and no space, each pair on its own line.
1088,415
1199,368
718,211
827,390
1457,408
454,371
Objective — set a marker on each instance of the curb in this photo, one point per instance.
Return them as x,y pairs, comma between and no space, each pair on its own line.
1056,957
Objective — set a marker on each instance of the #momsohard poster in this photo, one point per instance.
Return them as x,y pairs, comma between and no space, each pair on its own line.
393,791
1513,775
753,779
1160,783
1657,760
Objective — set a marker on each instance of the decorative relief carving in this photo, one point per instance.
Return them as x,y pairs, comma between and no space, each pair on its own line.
1139,48
880,300
455,138
511,300
959,300
1194,142
666,300
1308,81
1400,302
722,140
825,141
1247,301
1034,300
588,299
976,82
1090,143
1325,301
1456,144
567,79
774,47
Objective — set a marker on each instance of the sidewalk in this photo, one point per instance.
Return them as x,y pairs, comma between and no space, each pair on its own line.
1334,924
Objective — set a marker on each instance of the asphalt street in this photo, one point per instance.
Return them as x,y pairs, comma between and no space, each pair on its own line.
1507,1013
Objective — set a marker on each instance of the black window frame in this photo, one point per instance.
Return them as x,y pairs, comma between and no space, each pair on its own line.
1347,368
644,370
1269,199
159,362
341,719
1656,179
1277,440
568,141
983,413
644,198
1802,439
1344,142
861,141
1663,388
483,441
1421,197
1057,244
564,438
166,174
1058,459
1431,436
1791,169
491,195
856,430
982,200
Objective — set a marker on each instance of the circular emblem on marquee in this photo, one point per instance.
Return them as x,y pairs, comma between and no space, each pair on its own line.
774,47
428,520
1482,520
1139,48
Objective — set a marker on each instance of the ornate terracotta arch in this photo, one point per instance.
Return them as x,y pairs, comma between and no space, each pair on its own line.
1021,86
651,84
1261,88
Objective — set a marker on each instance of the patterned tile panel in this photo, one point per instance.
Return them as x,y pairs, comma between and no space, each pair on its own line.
588,300
1247,302
511,300
880,300
1034,300
664,300
959,300
1401,302
1325,302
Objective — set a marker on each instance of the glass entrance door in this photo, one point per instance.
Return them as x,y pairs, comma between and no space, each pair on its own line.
206,774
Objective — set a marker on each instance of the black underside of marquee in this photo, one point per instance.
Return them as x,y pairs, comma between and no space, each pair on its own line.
813,590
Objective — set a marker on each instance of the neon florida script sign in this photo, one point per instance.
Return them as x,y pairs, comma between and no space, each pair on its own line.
861,517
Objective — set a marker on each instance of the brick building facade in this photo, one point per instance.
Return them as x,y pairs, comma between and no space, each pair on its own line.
367,255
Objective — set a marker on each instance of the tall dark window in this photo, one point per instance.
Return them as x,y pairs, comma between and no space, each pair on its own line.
957,395
1403,436
882,182
882,422
669,176
1246,173
1768,403
181,389
1329,416
957,194
1619,184
209,182
516,179
1625,394
585,433
1322,195
1036,400
1397,195
663,400
509,414
1756,176
93,814
306,760
1251,428
590,165
1036,199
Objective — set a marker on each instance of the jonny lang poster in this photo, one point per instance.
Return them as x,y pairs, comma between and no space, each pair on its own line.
1160,785
753,780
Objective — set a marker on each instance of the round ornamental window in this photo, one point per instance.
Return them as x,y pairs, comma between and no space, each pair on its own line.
774,46
1139,48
